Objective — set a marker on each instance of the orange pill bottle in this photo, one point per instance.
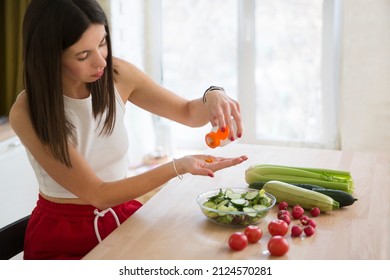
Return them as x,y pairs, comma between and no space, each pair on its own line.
218,138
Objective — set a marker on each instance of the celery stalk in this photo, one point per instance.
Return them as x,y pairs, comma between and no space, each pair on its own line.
327,178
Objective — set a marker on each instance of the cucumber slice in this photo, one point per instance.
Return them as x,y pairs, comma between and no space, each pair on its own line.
239,201
228,192
223,202
234,196
259,207
209,204
210,214
232,209
251,195
223,210
250,211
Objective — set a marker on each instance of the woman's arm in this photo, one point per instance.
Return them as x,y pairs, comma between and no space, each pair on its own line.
141,90
81,180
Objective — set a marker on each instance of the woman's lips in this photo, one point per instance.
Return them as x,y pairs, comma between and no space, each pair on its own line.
98,74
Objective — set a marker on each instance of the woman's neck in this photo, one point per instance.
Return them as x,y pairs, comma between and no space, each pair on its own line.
77,92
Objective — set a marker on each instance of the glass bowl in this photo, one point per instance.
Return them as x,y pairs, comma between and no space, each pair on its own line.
236,207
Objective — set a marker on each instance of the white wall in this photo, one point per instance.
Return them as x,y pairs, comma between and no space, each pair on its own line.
365,75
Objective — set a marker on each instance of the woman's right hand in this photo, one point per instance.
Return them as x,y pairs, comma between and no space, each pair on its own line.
205,165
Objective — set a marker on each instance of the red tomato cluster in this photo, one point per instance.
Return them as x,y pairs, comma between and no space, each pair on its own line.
278,228
277,245
239,240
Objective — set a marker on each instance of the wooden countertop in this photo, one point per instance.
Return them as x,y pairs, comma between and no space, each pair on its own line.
171,226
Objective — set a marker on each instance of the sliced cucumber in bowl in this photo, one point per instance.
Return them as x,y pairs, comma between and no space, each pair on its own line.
236,207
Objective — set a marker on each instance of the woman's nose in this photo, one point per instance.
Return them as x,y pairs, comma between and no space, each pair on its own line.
100,62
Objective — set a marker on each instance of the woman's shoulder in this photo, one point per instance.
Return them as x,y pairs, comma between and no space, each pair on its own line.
18,114
119,62
124,68
20,105
127,77
127,73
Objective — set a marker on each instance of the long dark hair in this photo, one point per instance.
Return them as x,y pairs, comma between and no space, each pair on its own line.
49,27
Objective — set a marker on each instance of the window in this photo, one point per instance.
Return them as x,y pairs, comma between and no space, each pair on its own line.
199,49
288,38
277,57
128,41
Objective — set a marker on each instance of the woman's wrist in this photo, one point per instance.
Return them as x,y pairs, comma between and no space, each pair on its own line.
175,168
211,88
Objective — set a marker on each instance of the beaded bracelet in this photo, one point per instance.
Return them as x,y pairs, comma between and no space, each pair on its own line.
180,176
211,89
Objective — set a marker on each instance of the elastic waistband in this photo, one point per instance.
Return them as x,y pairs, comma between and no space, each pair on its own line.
64,209
75,212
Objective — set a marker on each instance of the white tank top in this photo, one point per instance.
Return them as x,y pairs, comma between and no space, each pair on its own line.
106,154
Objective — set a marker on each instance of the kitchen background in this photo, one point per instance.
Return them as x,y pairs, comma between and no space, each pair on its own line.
308,73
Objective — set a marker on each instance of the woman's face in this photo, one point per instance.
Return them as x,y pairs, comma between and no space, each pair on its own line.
84,61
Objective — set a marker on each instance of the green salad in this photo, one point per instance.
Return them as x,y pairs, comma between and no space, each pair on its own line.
235,208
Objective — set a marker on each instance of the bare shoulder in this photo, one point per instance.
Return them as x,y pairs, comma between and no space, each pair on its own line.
125,70
122,77
19,115
127,77
120,63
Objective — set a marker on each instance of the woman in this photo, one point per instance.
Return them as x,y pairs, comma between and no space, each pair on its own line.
70,119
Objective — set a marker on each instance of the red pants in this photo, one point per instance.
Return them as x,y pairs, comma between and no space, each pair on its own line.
67,231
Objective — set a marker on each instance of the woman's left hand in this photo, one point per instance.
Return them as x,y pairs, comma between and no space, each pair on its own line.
223,110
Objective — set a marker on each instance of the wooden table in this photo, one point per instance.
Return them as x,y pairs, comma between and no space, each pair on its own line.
171,225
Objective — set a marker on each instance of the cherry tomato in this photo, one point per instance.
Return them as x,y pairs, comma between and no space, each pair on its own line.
278,245
277,227
238,241
253,233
